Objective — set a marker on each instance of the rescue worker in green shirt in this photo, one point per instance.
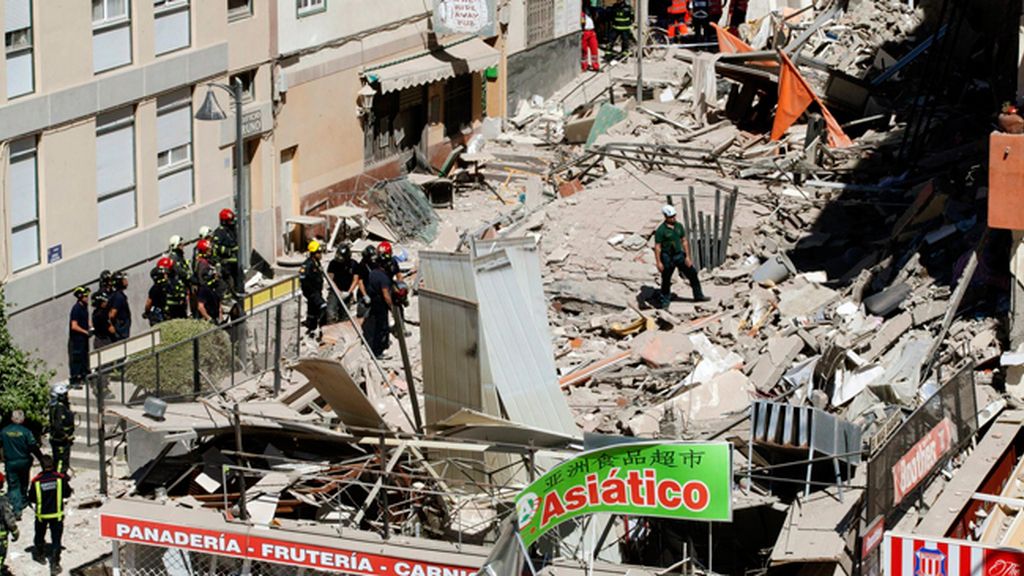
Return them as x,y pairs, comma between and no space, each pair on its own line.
8,527
622,25
49,491
19,446
672,252
62,427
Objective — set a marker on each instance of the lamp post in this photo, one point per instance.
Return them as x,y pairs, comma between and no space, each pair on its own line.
211,110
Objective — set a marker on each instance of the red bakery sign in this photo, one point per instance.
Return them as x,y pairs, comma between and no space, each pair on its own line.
922,457
266,549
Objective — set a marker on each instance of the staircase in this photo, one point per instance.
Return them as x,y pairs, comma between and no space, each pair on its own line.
84,456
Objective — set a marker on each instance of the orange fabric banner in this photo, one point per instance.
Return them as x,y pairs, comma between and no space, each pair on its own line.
795,95
729,43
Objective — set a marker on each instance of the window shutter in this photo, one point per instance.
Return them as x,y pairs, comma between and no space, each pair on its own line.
17,14
111,48
115,160
19,74
22,182
175,190
173,129
172,31
116,214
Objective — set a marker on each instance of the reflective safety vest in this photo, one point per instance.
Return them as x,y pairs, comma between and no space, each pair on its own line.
58,513
623,18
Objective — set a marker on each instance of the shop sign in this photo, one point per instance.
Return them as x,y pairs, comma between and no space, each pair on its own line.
927,556
691,481
464,17
922,457
260,548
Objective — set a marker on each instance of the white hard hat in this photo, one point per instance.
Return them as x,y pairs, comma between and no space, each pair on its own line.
668,210
174,242
204,231
59,389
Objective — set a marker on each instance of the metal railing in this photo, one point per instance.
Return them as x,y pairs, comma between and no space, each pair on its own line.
266,335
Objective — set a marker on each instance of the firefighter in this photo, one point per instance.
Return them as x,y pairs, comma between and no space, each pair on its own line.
208,298
204,234
62,428
386,257
156,299
702,14
49,490
78,337
311,280
376,328
622,25
202,266
225,250
120,312
342,271
8,526
100,320
176,253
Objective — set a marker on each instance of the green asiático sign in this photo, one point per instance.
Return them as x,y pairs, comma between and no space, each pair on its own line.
691,481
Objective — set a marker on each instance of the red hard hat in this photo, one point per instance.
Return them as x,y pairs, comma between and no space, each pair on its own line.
165,263
384,248
203,246
226,215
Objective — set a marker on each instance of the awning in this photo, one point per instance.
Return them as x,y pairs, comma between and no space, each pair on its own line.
466,57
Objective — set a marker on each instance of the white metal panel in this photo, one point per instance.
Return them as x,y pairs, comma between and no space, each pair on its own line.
175,191
451,357
172,31
17,14
173,128
448,273
25,247
523,368
111,47
523,253
116,214
115,160
20,79
21,178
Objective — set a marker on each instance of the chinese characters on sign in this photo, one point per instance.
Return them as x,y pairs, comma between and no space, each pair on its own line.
464,17
691,481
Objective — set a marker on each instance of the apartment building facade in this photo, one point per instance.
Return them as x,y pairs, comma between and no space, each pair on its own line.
101,159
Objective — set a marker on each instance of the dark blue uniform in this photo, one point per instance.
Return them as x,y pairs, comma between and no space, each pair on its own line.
78,343
375,326
122,322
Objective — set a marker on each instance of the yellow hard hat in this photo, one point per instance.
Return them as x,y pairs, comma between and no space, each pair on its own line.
314,247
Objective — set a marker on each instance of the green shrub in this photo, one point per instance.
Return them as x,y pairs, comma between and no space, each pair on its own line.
176,364
24,380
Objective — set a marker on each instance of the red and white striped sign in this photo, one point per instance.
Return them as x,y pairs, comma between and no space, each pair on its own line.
926,556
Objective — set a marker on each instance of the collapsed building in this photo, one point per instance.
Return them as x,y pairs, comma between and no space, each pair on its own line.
855,353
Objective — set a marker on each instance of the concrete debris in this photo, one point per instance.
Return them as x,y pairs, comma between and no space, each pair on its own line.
826,269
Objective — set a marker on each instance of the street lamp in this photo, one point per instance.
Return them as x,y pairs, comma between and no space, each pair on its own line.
211,110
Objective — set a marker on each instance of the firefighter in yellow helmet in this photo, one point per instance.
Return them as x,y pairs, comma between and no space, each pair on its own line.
311,280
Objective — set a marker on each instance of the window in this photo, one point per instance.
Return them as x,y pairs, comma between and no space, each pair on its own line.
24,209
540,21
248,79
111,35
172,23
307,7
115,172
174,149
239,9
18,47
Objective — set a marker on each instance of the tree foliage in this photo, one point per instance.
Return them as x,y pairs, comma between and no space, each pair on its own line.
24,380
175,374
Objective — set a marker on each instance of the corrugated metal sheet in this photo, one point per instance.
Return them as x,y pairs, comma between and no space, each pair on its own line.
525,258
451,357
522,365
448,273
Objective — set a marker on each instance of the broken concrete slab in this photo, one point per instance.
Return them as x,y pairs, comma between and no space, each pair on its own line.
891,331
660,349
804,300
773,363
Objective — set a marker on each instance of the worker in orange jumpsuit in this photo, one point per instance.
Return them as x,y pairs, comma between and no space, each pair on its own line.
589,59
681,25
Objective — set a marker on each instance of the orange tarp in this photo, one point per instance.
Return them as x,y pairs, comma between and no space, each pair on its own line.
795,95
729,43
